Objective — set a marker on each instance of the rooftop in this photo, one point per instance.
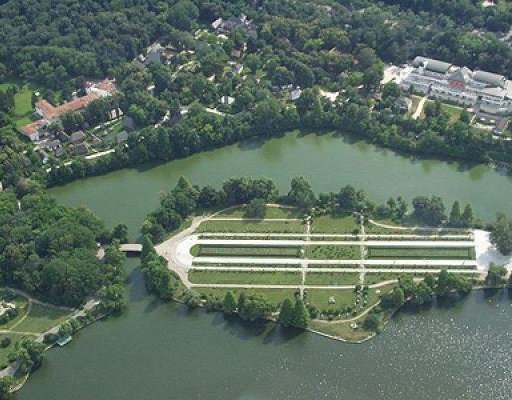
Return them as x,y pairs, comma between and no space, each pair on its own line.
33,128
48,111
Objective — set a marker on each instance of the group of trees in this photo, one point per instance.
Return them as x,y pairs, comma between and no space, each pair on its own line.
159,279
421,293
50,250
501,234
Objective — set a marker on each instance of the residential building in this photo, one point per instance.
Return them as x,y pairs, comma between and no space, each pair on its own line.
295,94
227,100
485,91
122,137
81,149
227,25
51,113
77,137
35,130
104,88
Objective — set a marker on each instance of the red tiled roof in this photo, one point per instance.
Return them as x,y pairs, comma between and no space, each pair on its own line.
50,112
31,129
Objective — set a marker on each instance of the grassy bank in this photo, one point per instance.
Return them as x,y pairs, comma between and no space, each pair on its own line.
242,277
263,226
327,252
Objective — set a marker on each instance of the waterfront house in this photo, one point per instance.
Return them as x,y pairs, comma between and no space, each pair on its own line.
489,92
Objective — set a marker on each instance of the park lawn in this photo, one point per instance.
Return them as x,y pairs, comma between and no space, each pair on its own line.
342,330
244,265
370,228
274,296
332,278
4,352
263,226
332,252
42,318
271,213
345,298
242,277
464,253
244,251
347,223
372,278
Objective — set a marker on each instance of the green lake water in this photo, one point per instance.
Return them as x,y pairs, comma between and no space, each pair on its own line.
160,351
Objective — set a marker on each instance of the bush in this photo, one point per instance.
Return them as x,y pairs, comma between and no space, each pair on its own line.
6,342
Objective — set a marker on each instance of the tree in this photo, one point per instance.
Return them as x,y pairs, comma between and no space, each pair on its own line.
256,208
5,387
371,322
501,234
182,14
468,217
496,275
229,304
120,233
394,299
300,315
286,315
429,211
301,193
455,217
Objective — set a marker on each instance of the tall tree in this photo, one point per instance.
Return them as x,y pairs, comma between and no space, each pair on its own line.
300,315
229,304
455,217
286,315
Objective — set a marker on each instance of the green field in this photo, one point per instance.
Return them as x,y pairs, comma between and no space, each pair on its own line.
372,278
271,212
345,298
421,253
244,265
332,278
42,318
235,277
274,296
332,252
252,226
333,224
244,251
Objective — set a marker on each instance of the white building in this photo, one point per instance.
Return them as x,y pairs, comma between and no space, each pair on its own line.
488,92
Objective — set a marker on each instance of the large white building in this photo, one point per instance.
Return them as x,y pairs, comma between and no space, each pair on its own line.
485,91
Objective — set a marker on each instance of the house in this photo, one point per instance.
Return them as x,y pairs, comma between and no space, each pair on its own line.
122,137
44,156
104,88
59,152
96,141
403,104
77,137
35,130
51,113
53,145
227,25
63,137
154,53
81,149
295,94
227,100
489,92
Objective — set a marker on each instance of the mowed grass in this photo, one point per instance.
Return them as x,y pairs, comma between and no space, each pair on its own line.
246,251
462,253
42,318
372,278
334,252
263,226
332,278
320,298
274,296
271,213
334,224
242,277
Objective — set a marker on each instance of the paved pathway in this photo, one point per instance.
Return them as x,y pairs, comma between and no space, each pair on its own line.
418,111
